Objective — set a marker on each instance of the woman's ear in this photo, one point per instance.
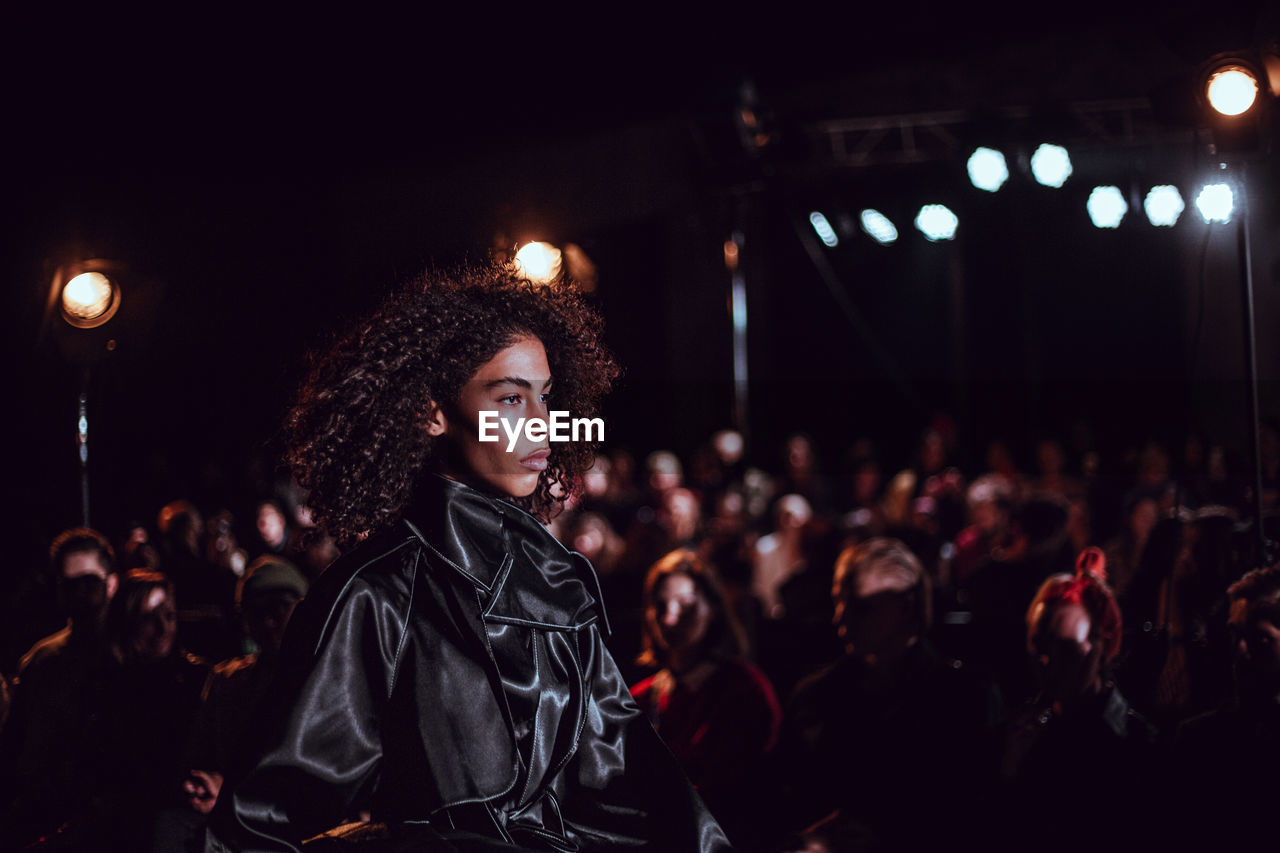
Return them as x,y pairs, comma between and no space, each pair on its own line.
434,421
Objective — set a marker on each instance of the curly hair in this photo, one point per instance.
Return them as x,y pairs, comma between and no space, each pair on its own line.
356,436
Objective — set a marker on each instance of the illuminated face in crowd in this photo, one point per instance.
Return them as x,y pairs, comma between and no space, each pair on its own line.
85,586
1067,654
680,612
515,383
156,629
271,525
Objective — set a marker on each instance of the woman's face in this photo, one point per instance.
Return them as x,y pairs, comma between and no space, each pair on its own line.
680,612
157,626
515,383
1068,657
270,525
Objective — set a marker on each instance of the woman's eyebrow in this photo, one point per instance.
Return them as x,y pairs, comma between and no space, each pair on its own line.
514,380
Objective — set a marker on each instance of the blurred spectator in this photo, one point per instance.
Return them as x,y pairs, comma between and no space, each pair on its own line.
51,745
716,711
221,546
929,477
801,473
1079,734
888,714
207,591
1226,759
1124,551
271,527
1051,462
999,590
267,595
780,555
990,507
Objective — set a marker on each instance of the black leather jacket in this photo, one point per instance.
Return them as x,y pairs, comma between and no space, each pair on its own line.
450,675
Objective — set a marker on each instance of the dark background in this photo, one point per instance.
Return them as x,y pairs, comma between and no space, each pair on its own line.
267,180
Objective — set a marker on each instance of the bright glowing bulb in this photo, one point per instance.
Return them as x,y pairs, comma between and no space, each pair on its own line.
1051,165
936,222
538,262
1107,207
987,169
825,232
1215,203
1232,90
1164,205
878,226
89,299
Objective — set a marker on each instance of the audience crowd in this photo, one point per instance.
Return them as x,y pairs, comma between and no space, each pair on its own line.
843,654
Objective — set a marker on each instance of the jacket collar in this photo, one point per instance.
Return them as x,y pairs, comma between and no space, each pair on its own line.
463,525
489,540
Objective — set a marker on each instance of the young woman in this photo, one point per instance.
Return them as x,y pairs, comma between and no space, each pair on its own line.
448,674
715,710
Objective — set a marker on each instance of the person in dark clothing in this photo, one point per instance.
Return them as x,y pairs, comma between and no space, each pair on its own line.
1000,589
206,591
714,709
890,714
266,597
448,673
1227,758
1079,734
60,697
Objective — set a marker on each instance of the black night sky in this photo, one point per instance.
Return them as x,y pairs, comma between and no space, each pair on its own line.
265,184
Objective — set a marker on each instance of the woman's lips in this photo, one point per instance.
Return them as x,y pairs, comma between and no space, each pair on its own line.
537,460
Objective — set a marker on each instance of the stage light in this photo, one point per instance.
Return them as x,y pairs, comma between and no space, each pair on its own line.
878,226
1107,207
1216,203
89,300
824,230
1051,165
1231,90
936,222
538,262
987,169
1163,205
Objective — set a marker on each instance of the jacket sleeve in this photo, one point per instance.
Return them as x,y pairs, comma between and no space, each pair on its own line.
320,745
625,789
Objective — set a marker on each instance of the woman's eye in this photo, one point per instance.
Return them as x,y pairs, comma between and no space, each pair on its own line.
511,400
545,397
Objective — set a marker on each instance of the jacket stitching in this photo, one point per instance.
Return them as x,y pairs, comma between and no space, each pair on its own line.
423,539
545,626
404,630
537,730
324,632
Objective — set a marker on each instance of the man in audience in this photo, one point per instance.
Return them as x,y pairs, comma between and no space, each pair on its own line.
60,696
890,713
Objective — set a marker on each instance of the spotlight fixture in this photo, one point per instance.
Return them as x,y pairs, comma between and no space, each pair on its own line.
987,169
1163,205
1231,88
89,299
823,228
937,222
538,262
878,226
1235,94
1051,165
1216,203
1107,207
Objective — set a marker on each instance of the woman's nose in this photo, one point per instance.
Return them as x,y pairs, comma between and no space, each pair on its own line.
671,615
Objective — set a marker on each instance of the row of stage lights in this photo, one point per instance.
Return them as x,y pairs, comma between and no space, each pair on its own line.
1051,167
1230,88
